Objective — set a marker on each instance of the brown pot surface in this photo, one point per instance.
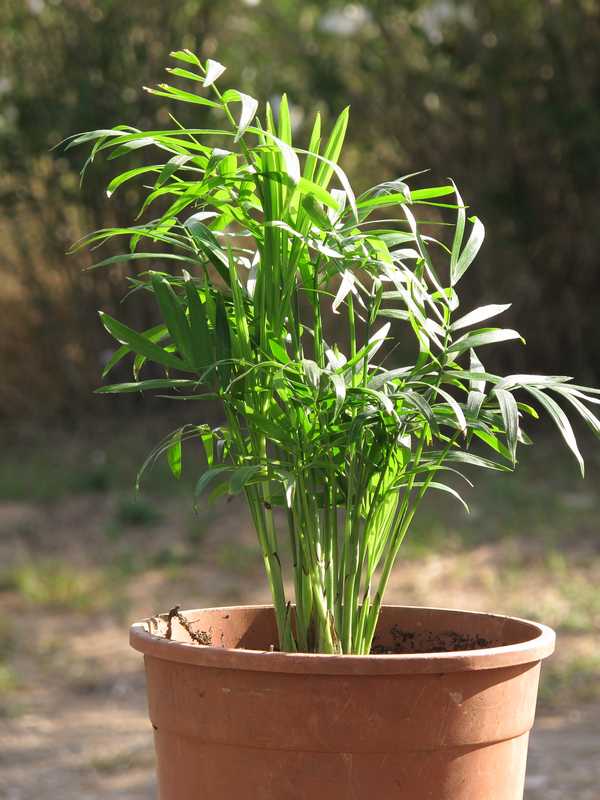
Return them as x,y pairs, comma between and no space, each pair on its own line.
235,719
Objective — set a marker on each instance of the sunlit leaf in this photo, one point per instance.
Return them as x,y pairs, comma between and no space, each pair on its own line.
471,249
479,315
213,71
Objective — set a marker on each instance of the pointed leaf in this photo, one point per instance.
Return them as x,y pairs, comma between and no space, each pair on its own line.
241,476
442,487
187,56
141,344
590,419
510,415
174,455
312,372
339,385
212,476
316,213
346,287
201,344
213,71
476,461
510,381
476,394
459,232
471,249
479,315
173,315
457,410
142,386
483,337
249,106
561,420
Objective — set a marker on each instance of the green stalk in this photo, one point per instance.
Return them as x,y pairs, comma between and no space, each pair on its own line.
273,571
318,322
406,517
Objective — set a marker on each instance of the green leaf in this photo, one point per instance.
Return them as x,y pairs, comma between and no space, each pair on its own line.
142,386
239,310
590,419
214,475
164,90
476,394
479,315
308,187
201,344
476,461
471,249
431,192
459,232
185,73
174,455
394,313
313,149
127,176
511,381
456,409
290,160
213,71
312,372
154,334
241,476
208,244
316,213
285,124
333,148
442,487
187,56
222,342
279,351
346,286
339,386
482,337
381,201
141,344
419,402
173,315
510,415
561,420
249,106
172,165
148,256
494,442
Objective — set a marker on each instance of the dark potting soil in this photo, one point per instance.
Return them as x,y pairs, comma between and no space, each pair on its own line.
429,642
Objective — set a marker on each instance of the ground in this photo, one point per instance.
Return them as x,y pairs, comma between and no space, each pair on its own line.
81,556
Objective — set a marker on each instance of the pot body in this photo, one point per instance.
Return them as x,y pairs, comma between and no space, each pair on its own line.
259,725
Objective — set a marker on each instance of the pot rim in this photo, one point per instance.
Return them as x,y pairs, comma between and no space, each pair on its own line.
534,649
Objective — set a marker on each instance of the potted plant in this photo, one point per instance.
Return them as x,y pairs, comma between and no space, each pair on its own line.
258,245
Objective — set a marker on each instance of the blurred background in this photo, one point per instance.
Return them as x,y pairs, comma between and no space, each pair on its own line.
503,96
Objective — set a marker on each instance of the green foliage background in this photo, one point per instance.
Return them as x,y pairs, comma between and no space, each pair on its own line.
503,96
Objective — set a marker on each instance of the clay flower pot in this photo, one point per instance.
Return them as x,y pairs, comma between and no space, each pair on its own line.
237,720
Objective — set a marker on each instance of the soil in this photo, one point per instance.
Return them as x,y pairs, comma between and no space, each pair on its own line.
406,642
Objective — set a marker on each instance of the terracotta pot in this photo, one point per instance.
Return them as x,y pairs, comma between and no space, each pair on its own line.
230,722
